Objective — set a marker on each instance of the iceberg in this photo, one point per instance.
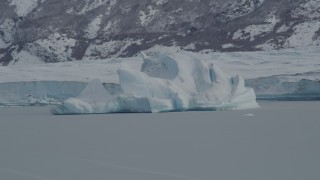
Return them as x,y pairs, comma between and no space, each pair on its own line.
91,100
165,83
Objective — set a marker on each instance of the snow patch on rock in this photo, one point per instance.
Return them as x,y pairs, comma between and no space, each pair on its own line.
310,9
252,31
228,45
283,28
6,33
91,5
93,28
267,46
113,48
304,35
58,44
3,44
23,7
239,8
24,57
191,46
160,2
147,17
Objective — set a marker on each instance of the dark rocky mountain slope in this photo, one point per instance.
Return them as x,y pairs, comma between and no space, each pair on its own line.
65,30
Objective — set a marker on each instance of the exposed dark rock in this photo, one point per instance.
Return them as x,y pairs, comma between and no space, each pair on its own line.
59,30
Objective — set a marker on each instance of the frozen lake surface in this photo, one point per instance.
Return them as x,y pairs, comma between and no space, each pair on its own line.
279,141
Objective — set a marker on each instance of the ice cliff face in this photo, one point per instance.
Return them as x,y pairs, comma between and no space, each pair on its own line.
58,30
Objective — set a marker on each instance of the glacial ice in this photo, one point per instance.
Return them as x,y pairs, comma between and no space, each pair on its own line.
165,83
291,74
280,88
36,93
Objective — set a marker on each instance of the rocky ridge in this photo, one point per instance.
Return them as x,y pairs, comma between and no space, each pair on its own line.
58,30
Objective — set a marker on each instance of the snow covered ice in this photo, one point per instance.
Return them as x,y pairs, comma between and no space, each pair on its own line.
165,83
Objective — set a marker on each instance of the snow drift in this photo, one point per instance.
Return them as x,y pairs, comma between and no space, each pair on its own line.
165,83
